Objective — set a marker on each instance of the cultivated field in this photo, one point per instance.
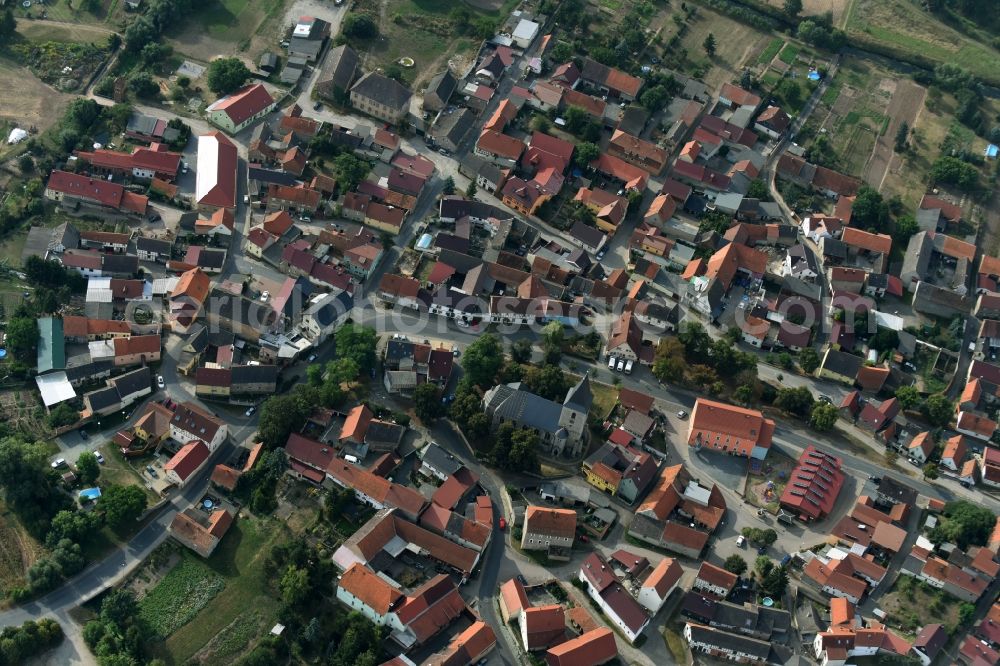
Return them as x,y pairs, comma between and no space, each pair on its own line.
903,26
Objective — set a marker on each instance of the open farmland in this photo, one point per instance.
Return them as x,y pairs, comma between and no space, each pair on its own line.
38,31
903,27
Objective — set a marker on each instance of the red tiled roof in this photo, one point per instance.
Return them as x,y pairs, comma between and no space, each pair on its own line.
222,194
738,95
591,648
864,240
499,144
372,590
244,103
633,177
717,576
188,459
716,424
103,192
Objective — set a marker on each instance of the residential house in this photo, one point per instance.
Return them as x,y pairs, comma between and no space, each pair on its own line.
591,648
74,192
381,97
725,645
612,598
643,154
714,581
190,422
237,111
186,462
439,90
727,428
548,529
610,81
143,163
609,209
308,38
658,585
620,470
201,530
772,121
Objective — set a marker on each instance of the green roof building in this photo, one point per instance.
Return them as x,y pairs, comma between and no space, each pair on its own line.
51,345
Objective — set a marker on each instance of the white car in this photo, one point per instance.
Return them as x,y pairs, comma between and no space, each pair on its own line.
57,463
159,381
264,296
100,458
250,411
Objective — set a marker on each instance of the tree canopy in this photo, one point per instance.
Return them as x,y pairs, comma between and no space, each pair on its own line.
965,524
226,75
121,504
482,359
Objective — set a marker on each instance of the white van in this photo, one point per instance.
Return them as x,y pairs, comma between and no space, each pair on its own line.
621,365
351,459
628,368
611,363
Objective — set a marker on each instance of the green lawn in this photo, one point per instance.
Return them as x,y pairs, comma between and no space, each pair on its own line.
605,398
239,562
789,54
767,55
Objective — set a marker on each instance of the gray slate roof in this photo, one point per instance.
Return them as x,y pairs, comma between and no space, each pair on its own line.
340,66
441,460
512,403
383,90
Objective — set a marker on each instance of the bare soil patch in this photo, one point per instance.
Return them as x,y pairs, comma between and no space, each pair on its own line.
907,100
27,101
812,7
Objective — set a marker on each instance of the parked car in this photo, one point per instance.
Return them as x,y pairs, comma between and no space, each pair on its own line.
159,381
741,541
682,414
503,523
84,435
312,357
250,410
99,456
264,295
57,463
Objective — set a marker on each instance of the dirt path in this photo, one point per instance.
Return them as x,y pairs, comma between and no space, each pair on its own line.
906,102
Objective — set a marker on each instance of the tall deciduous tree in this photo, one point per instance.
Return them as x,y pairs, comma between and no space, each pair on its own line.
226,75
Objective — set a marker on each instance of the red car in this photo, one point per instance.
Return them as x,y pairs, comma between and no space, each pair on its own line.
503,523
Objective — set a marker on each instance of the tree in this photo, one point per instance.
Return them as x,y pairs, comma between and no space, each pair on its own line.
709,45
357,343
26,164
520,351
87,467
953,171
118,116
548,381
484,27
735,564
930,471
696,341
427,402
28,486
823,416
515,449
586,152
540,123
908,396
763,537
77,526
579,123
143,85
902,135
668,364
938,410
121,505
294,585
775,582
482,360
964,523
654,98
359,26
870,210
884,340
798,401
553,338
282,414
966,613
758,190
449,186
351,170
226,75
792,8
763,565
808,360
471,190
7,24
63,415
